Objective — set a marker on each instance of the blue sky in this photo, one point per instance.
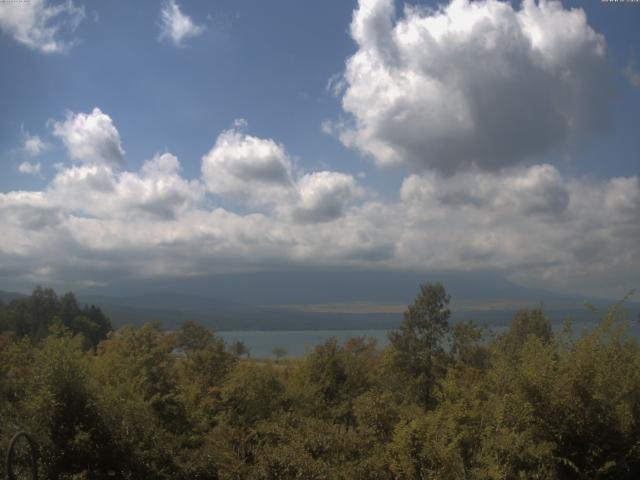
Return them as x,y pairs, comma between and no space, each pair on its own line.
289,134
268,64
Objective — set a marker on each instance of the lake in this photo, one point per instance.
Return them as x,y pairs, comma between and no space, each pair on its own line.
298,342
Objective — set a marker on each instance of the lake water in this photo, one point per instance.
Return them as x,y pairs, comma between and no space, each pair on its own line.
297,343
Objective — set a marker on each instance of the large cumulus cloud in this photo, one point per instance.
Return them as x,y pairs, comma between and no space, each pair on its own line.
90,138
256,171
260,174
157,191
323,196
478,83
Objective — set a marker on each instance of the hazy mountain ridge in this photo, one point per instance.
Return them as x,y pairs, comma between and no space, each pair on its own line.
320,286
9,296
323,300
224,315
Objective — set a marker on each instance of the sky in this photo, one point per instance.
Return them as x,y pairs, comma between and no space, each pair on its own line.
184,139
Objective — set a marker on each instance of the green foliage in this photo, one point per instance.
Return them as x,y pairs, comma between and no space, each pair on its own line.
33,316
239,349
418,354
332,376
279,352
524,324
250,394
441,402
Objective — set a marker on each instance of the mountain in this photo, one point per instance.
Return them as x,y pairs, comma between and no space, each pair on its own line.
6,297
320,286
322,299
173,308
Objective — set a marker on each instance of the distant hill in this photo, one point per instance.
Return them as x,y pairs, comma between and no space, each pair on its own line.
322,299
280,300
172,309
8,296
277,287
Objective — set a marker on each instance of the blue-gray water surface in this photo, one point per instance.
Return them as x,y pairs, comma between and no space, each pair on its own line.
296,343
299,342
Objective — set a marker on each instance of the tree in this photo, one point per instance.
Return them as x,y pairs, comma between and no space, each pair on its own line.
251,393
60,409
332,376
417,344
468,346
202,369
279,352
34,315
526,323
192,337
239,349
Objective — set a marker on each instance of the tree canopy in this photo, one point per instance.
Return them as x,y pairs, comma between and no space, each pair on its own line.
33,316
441,401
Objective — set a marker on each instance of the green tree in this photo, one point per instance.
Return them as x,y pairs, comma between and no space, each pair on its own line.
418,351
192,337
140,400
202,368
59,408
332,376
251,393
34,315
468,345
526,323
239,349
279,352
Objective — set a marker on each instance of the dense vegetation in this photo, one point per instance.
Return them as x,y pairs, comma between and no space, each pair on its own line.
442,401
34,316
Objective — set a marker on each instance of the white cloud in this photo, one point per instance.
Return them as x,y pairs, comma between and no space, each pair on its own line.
323,196
632,73
260,174
252,170
543,229
537,190
175,26
157,191
94,224
471,83
34,145
29,168
24,212
41,25
91,138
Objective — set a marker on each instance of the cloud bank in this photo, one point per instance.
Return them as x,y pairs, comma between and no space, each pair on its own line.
96,222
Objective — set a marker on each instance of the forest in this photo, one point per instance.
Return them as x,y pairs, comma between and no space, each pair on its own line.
443,401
